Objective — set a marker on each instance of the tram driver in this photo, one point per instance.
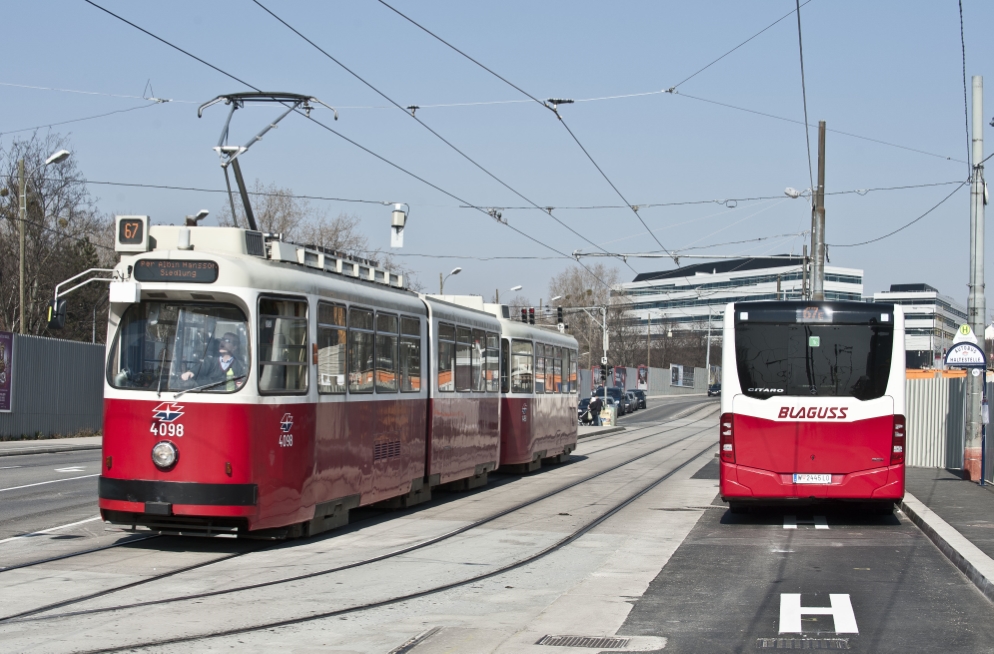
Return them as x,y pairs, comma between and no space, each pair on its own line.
226,365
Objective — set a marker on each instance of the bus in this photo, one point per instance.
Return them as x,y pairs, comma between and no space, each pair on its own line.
812,404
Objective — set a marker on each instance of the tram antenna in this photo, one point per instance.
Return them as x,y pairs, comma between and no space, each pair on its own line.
229,153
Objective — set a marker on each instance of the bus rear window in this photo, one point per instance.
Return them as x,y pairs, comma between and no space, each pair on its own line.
813,360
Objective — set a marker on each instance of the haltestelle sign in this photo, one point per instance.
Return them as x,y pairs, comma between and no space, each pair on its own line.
965,355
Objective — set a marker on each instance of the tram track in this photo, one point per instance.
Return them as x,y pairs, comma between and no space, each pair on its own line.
558,545
70,555
32,615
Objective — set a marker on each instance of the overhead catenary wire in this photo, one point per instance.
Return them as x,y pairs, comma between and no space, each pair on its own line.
804,96
108,95
903,227
548,104
79,120
414,117
343,137
966,106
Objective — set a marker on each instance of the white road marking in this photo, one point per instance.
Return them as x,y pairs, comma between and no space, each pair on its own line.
841,612
71,469
49,530
791,522
9,467
42,483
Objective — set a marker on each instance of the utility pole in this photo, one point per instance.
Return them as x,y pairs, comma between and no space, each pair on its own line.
976,304
648,343
707,358
818,223
23,188
804,272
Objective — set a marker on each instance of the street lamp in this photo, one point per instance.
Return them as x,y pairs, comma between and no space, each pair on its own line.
441,279
515,289
56,158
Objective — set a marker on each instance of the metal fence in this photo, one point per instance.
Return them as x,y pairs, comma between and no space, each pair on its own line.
935,422
58,387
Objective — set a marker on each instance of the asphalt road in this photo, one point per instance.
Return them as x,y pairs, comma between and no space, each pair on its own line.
40,491
660,410
729,587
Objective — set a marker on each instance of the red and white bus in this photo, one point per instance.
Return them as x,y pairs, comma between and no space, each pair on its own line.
812,403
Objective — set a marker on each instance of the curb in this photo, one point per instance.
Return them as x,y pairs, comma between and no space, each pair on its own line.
49,450
604,432
940,533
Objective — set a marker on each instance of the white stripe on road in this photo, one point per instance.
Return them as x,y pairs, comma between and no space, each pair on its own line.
42,483
50,530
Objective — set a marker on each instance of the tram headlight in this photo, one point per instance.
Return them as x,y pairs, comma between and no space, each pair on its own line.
164,455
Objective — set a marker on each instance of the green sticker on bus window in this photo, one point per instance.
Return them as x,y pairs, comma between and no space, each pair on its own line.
814,341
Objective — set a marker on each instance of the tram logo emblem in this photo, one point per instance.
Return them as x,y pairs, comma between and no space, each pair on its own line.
167,412
286,423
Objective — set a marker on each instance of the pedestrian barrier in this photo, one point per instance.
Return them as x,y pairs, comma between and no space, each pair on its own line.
935,422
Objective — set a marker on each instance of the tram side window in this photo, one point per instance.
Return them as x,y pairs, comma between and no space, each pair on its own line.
550,370
361,351
282,346
409,357
331,348
464,359
558,374
478,351
386,353
572,371
505,365
492,373
522,371
446,358
539,368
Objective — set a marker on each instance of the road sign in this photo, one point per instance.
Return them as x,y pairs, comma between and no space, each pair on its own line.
603,361
965,335
965,355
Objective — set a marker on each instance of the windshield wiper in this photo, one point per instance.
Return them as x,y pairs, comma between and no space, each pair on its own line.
162,364
211,385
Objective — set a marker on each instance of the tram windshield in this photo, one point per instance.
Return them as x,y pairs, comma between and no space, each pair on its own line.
180,346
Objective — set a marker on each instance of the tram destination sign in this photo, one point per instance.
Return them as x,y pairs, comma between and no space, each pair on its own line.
172,270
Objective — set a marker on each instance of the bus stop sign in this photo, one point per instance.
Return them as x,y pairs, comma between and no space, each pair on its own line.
965,355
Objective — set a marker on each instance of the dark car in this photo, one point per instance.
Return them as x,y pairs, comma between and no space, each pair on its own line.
633,401
640,396
581,411
714,390
619,398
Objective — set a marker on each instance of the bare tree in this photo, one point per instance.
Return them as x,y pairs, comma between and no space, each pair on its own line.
64,235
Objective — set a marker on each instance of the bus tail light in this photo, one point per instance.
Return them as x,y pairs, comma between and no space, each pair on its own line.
897,441
727,441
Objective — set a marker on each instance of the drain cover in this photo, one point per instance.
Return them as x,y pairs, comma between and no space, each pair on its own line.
803,643
596,642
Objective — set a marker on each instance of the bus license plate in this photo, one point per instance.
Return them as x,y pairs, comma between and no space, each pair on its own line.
801,478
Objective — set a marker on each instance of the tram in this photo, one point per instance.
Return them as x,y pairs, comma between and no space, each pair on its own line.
259,387
538,388
812,403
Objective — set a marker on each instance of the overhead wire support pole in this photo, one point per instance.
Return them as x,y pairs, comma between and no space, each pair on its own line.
818,223
976,304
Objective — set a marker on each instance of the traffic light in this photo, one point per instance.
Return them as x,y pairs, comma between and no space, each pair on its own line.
524,315
559,316
56,314
531,316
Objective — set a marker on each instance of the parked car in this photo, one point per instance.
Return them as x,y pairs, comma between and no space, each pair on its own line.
640,396
714,390
618,396
581,411
633,401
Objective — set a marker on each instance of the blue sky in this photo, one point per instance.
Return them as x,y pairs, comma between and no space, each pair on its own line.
890,71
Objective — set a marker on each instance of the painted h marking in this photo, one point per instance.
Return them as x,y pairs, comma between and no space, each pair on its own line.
791,522
841,611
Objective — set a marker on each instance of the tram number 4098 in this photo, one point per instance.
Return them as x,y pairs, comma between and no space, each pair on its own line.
286,440
166,429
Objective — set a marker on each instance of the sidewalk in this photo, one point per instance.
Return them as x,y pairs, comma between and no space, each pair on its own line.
586,431
958,516
49,446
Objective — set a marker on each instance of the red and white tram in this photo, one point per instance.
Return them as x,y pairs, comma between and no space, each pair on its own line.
538,389
812,403
254,385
